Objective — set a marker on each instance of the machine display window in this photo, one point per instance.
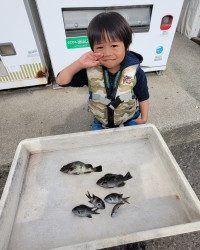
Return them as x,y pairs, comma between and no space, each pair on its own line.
7,49
76,20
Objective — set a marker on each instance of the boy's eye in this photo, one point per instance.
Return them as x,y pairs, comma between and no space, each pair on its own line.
114,45
99,47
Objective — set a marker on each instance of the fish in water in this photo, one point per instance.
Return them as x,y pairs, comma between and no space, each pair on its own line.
115,198
113,180
115,208
96,201
78,167
84,211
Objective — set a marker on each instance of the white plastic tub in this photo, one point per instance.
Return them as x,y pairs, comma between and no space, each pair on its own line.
35,209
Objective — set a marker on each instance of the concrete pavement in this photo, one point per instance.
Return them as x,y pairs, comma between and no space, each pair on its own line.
174,109
41,111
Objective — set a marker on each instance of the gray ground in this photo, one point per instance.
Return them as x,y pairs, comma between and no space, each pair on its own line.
175,110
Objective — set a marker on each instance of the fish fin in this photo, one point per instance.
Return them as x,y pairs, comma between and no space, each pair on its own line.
88,195
98,169
88,165
127,176
108,175
121,184
125,199
89,216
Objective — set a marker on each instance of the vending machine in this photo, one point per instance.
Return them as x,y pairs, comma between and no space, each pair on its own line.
24,57
153,23
189,21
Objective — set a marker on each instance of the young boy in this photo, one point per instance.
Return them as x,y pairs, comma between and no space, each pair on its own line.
118,92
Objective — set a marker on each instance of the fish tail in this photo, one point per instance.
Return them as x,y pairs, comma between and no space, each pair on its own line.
95,211
98,169
88,195
125,199
127,176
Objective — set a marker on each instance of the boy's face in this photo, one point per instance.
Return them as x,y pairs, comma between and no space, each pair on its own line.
113,53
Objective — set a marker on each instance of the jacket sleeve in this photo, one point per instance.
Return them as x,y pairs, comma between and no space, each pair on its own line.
78,80
141,89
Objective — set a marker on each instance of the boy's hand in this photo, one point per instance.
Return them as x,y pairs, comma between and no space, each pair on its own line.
89,59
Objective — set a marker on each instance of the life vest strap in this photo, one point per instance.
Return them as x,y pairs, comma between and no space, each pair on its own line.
114,103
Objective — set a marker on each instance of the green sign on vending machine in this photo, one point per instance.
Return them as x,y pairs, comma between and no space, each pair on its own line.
77,42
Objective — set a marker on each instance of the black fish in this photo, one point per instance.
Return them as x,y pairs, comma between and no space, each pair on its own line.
96,201
115,208
84,211
115,198
78,167
113,180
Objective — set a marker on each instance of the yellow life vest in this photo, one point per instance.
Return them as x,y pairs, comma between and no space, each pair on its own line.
112,111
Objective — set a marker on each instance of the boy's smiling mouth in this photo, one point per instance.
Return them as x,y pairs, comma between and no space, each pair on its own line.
108,59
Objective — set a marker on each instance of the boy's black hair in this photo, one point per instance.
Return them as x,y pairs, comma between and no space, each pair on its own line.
111,25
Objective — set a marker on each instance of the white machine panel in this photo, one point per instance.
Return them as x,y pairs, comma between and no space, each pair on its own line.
22,61
153,22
